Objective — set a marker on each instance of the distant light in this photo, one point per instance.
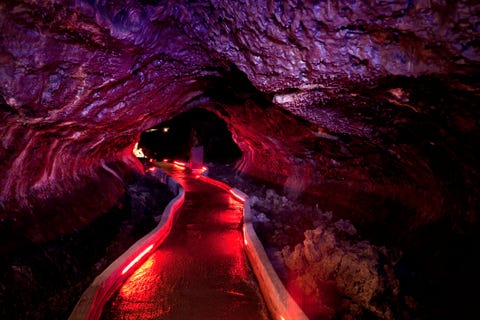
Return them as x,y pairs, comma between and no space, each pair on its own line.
166,129
151,130
140,256
151,169
138,152
180,165
165,160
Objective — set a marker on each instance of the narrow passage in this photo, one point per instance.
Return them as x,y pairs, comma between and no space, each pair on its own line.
200,271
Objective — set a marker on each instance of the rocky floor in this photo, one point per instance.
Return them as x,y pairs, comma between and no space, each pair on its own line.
330,270
46,281
335,272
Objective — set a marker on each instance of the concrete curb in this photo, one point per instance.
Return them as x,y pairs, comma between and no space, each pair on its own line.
92,301
279,301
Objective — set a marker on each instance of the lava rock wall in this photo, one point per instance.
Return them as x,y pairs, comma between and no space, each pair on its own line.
79,83
379,100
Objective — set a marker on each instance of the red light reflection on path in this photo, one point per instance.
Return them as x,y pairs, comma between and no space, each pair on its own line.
151,169
200,271
129,290
137,258
180,163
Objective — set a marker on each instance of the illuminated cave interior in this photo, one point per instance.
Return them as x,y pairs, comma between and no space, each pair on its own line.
354,125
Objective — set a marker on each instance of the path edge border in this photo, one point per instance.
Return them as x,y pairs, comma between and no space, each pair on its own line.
280,303
91,303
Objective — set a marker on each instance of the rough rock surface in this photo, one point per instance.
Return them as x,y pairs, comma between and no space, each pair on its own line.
356,269
334,272
367,108
330,269
45,281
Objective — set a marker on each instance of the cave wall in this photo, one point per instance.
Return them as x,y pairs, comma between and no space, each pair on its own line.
378,101
77,89
304,52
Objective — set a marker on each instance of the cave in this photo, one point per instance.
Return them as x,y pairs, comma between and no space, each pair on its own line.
175,138
353,124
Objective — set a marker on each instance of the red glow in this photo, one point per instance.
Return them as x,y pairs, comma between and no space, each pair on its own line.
127,290
226,187
165,160
217,183
198,172
213,256
151,169
244,235
150,160
237,195
140,256
179,164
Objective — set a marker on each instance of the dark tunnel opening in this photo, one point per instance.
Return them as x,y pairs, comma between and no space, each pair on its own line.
174,139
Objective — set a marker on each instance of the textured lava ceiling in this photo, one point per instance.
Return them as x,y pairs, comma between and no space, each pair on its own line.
367,107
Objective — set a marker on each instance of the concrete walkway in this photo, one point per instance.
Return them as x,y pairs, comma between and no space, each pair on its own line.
200,271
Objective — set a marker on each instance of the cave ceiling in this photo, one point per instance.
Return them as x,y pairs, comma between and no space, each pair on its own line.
373,100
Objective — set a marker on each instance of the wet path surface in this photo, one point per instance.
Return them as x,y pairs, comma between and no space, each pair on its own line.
200,271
